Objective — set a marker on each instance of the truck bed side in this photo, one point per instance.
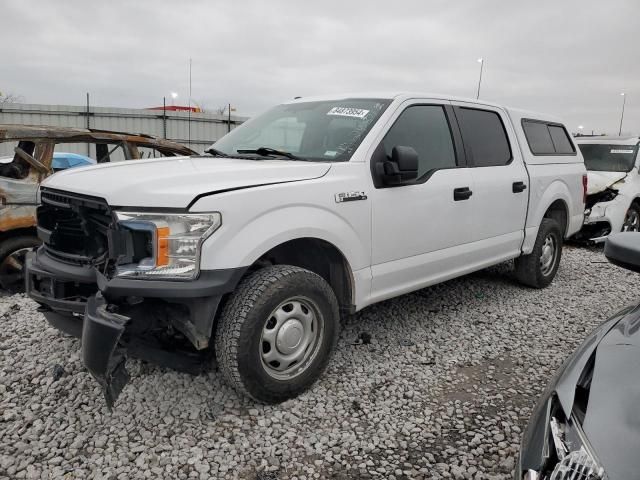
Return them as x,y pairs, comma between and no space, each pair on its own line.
556,181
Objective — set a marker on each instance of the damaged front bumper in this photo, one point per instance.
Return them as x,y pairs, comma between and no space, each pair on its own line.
602,218
165,322
102,354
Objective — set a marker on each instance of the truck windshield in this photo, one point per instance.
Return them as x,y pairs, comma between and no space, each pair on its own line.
317,131
609,158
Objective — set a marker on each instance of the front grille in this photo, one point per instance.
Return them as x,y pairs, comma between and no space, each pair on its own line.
74,228
577,465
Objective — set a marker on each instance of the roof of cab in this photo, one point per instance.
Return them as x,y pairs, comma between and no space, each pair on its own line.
609,139
515,113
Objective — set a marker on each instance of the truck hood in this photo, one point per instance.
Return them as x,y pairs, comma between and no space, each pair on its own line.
174,182
600,181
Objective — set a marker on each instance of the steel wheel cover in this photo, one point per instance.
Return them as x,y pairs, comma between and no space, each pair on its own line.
291,338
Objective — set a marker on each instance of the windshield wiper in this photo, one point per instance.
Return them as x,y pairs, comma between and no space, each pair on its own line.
215,153
266,151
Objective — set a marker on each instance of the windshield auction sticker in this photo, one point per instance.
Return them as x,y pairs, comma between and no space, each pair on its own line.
619,150
348,112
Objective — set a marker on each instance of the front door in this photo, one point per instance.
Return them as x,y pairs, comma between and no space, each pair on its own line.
420,230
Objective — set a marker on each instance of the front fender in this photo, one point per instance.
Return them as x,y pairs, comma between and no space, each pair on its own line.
233,246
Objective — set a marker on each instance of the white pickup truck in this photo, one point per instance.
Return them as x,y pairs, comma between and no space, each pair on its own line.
319,207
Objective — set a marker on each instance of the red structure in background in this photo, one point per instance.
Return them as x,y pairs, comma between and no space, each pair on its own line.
177,108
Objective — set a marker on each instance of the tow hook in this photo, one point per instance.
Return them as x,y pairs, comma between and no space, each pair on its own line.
101,353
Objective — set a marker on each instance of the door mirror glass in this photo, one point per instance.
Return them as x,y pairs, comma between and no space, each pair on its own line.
623,249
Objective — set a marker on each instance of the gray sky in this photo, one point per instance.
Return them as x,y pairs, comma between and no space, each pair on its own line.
565,57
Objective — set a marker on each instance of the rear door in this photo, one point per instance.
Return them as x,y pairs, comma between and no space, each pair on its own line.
501,182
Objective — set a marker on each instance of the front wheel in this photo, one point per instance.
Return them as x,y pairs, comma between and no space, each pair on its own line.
277,332
538,269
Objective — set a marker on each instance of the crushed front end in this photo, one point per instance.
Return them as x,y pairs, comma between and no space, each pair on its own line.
604,213
126,283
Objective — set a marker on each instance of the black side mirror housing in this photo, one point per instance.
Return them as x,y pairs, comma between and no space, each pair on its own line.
401,169
623,250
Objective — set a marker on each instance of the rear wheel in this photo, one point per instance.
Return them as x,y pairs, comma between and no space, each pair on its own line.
632,219
12,261
539,268
277,332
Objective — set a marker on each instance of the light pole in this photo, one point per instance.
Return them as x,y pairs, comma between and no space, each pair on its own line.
624,100
481,62
174,95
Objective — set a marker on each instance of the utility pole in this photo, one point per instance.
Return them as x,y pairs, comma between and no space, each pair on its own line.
624,100
481,61
229,120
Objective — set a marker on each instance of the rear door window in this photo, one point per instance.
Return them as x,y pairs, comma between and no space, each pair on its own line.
485,138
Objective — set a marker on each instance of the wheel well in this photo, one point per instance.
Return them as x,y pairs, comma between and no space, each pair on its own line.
558,211
318,256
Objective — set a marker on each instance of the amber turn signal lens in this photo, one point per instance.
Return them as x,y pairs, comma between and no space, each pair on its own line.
162,246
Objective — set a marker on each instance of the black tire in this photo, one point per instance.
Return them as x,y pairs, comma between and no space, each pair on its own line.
632,218
12,252
239,343
529,269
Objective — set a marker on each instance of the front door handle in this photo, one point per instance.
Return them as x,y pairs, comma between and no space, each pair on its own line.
518,187
461,193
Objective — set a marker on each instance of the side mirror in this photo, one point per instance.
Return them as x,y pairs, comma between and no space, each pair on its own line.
623,250
402,168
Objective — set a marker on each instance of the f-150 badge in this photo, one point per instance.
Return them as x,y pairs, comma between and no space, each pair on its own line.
350,196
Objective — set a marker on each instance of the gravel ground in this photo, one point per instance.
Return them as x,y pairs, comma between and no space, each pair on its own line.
443,390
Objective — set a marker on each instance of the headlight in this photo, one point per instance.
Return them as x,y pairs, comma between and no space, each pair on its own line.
573,457
172,243
576,459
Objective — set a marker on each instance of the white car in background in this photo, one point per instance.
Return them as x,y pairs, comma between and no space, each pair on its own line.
613,192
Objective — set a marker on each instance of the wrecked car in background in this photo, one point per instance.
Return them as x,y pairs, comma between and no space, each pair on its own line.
585,425
613,193
28,154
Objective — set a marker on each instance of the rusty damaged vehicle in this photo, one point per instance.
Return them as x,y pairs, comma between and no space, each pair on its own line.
586,424
27,154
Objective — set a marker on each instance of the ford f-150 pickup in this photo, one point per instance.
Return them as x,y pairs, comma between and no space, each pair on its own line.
317,208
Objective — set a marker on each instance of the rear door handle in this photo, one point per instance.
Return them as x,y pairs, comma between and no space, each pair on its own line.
461,193
518,187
